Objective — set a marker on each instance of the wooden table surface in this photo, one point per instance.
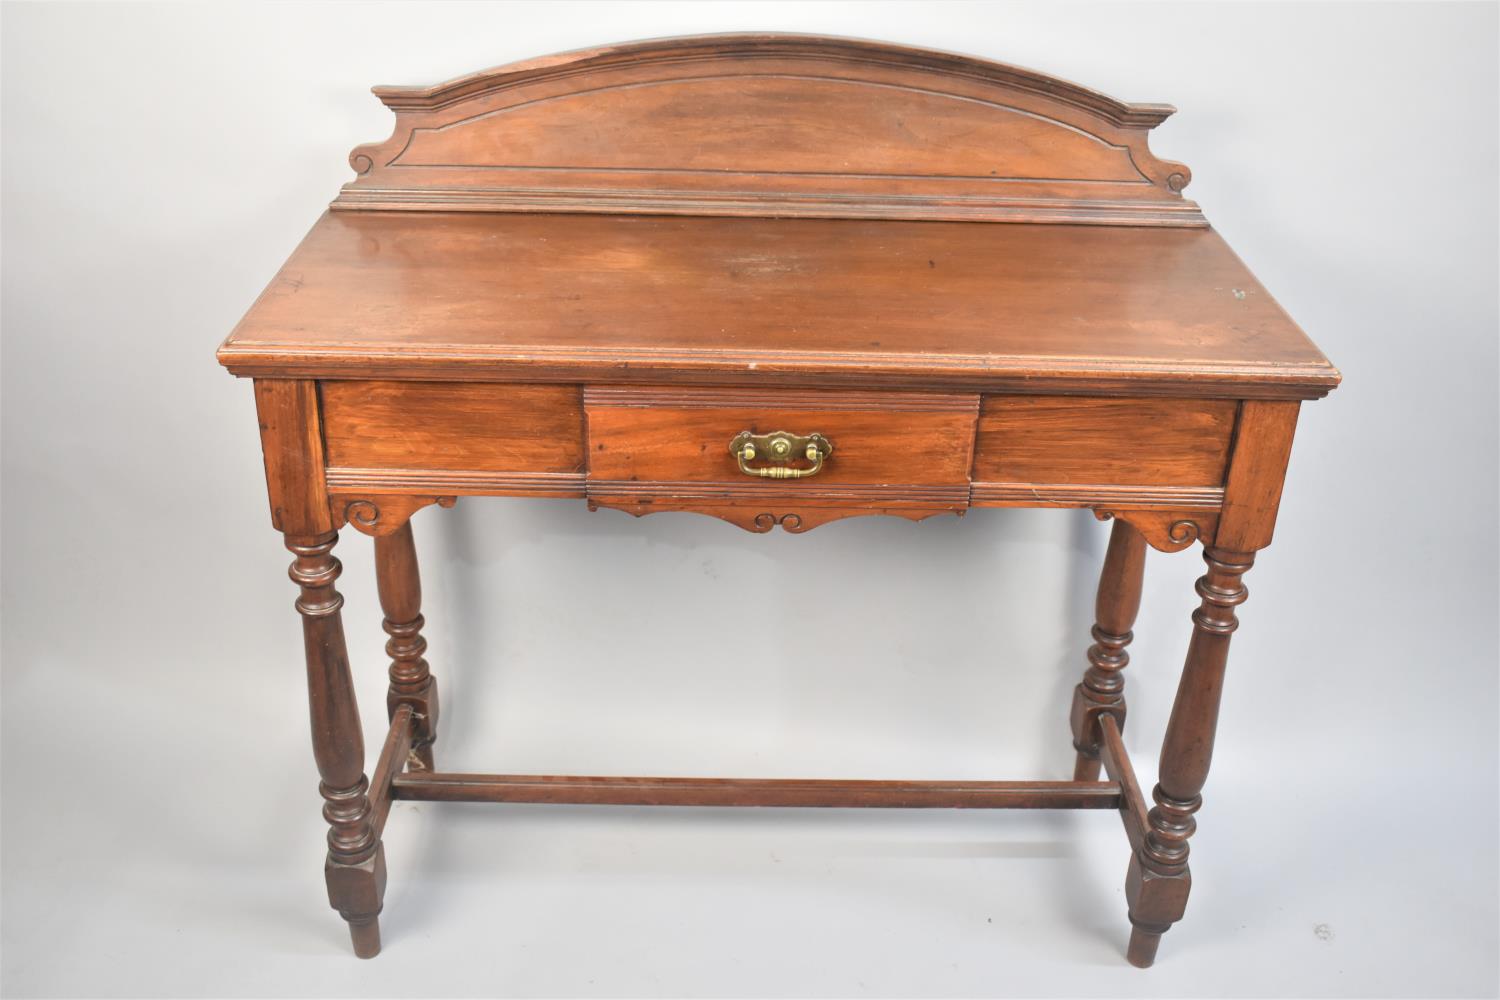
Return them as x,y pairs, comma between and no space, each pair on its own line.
960,304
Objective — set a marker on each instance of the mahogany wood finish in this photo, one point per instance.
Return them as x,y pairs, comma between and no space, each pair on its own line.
826,793
1061,441
394,756
400,588
1156,887
662,449
1117,765
377,514
582,276
355,869
1102,690
841,128
469,437
819,303
1158,881
1166,530
291,441
1252,493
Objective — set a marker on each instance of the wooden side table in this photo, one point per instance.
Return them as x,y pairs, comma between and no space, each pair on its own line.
780,280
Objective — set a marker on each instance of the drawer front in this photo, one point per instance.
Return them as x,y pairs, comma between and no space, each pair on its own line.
1082,452
883,445
640,447
453,437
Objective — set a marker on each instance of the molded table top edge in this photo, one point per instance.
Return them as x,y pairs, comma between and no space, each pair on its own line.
1104,376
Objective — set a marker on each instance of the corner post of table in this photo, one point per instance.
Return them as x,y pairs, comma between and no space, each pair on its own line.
1158,882
1102,690
291,439
399,584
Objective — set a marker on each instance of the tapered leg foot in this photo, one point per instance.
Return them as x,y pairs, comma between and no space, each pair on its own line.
356,891
1159,880
365,933
1142,950
355,866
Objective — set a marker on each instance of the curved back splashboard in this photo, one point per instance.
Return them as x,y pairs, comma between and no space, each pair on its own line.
771,125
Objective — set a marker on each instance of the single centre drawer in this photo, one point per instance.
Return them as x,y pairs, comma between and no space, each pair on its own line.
868,447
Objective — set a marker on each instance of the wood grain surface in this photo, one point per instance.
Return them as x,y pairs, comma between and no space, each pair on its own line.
480,428
768,124
1125,442
756,302
876,442
583,275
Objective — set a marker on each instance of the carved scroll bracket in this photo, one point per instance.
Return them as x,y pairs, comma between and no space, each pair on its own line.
382,515
1167,530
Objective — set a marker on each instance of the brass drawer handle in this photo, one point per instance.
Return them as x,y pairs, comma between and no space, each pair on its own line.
779,448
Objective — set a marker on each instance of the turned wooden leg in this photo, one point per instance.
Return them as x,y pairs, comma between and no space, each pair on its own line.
400,588
355,869
1157,884
1102,691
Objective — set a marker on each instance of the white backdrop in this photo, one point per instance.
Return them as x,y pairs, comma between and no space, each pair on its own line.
160,826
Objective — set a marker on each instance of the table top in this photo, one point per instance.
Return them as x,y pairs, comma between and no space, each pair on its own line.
496,296
774,209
